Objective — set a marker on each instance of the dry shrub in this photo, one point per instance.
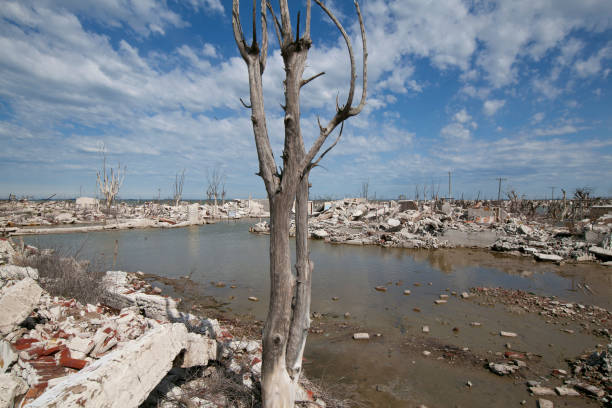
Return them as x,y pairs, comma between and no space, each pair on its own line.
61,273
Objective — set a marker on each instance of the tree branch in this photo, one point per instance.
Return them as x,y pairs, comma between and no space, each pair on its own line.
277,28
286,22
347,40
238,35
307,31
346,111
305,81
264,37
245,105
316,162
364,90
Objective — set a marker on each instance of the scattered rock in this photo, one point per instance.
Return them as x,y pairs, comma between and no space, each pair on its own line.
361,336
541,391
544,403
502,369
567,392
507,334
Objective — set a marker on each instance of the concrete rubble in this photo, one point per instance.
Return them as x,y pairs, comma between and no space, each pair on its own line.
86,214
135,347
439,224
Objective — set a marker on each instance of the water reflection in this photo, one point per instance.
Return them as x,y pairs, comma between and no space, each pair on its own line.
227,252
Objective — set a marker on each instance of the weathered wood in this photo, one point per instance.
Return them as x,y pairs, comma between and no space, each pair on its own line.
288,319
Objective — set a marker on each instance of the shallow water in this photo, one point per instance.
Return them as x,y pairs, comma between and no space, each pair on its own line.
227,252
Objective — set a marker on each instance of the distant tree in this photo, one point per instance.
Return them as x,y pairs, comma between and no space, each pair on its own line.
179,180
216,183
365,185
109,181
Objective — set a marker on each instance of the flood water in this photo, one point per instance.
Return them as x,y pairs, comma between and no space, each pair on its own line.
227,252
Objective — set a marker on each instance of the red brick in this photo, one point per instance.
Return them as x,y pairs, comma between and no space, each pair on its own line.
66,361
23,344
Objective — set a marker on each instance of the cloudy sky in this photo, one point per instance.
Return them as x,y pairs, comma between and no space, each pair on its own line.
516,89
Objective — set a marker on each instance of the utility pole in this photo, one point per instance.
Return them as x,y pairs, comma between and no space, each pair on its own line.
499,189
552,194
449,186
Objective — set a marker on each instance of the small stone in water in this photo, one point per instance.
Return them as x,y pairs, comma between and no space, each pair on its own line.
253,299
407,292
469,383
361,336
425,329
381,288
426,353
507,334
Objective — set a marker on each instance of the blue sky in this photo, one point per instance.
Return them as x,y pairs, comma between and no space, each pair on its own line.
483,89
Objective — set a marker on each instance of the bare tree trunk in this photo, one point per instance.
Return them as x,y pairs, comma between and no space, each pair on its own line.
287,323
276,385
300,322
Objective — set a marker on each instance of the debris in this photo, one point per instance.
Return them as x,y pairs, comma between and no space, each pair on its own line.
544,403
541,391
361,336
17,302
507,334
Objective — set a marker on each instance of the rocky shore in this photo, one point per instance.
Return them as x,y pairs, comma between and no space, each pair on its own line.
438,224
52,217
134,346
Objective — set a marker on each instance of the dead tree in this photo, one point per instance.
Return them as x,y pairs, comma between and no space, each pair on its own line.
288,320
179,180
365,185
215,179
109,181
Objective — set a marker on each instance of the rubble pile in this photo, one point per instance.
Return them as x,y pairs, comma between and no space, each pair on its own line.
438,224
132,347
591,373
546,306
26,217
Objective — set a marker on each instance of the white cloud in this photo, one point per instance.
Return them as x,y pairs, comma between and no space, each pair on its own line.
490,107
456,132
593,65
557,131
537,118
462,116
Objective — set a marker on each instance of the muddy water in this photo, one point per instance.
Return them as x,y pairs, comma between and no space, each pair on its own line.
388,370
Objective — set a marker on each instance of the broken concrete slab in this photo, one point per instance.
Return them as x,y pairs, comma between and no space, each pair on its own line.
127,375
17,302
548,257
198,351
544,403
567,392
14,272
10,388
541,391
